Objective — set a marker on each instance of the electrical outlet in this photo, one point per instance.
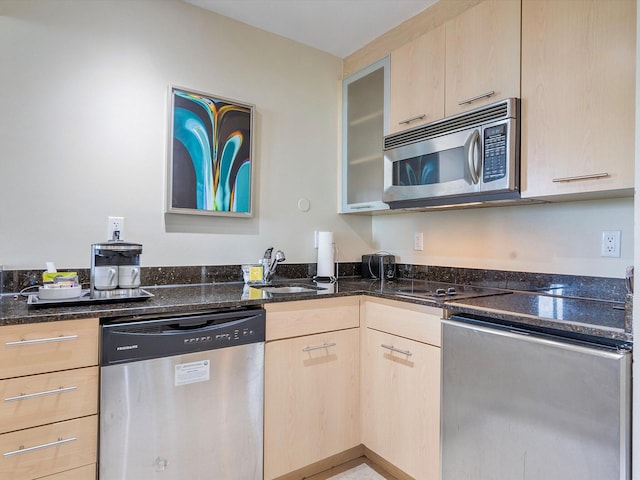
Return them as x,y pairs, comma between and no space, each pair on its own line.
610,243
115,228
418,241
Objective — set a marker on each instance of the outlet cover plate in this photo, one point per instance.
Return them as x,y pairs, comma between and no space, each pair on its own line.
115,228
418,241
610,246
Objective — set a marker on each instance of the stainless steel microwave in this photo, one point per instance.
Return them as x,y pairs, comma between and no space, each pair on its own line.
473,157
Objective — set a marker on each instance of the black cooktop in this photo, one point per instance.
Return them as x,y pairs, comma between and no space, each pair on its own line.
438,290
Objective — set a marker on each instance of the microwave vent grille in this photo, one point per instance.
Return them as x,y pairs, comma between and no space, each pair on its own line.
496,111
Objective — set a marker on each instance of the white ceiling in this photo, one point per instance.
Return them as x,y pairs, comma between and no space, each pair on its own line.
339,27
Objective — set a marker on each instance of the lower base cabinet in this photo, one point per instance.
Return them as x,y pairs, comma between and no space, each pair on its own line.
312,383
49,415
350,372
400,397
400,403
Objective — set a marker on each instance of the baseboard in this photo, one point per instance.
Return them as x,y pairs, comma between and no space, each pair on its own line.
389,467
325,464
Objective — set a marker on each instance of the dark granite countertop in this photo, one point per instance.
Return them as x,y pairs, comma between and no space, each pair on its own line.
592,317
583,316
174,299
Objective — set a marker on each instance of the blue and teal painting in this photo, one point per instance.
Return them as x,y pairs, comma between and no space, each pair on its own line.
211,154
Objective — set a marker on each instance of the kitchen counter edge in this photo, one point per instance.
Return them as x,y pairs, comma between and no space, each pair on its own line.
169,300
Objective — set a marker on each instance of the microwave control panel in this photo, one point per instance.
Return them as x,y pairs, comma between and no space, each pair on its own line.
495,153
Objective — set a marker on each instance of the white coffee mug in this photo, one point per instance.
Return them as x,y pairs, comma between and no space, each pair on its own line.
128,276
105,278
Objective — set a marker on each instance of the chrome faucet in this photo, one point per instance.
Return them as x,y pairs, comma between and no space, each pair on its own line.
269,265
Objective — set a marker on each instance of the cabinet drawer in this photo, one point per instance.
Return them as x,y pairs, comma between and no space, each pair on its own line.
55,448
47,347
293,319
88,472
417,322
48,398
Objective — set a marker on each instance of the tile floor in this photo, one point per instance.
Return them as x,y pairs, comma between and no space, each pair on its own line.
358,469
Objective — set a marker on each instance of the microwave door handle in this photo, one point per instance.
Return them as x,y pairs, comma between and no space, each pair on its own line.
471,152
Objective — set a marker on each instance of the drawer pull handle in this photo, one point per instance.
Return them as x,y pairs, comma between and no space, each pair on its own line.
412,119
22,450
580,177
326,345
61,338
394,349
24,396
473,99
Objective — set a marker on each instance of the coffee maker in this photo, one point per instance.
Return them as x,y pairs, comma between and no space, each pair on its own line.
115,270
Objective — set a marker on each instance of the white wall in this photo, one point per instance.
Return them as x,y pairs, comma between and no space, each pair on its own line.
560,238
83,133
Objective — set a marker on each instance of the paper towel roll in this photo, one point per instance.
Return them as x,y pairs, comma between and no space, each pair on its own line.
325,255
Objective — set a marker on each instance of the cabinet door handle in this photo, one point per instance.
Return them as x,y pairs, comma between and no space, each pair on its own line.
22,450
394,349
473,99
24,396
318,347
412,119
61,338
361,207
580,177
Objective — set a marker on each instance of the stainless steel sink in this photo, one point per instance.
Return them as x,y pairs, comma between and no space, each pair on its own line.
288,289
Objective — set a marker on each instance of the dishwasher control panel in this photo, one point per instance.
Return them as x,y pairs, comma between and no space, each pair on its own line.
222,339
154,338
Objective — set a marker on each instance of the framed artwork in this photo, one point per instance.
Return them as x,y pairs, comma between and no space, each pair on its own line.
210,164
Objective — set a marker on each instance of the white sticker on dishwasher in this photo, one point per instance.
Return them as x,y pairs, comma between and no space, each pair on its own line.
193,372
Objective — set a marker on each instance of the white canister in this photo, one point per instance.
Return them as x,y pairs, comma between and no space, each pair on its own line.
128,276
106,277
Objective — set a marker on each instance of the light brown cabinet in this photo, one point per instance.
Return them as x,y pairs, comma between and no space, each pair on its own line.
312,382
49,387
401,385
578,97
417,81
483,55
83,473
47,398
470,61
47,347
54,448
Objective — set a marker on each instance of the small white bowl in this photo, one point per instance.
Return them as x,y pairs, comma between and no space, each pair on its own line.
59,293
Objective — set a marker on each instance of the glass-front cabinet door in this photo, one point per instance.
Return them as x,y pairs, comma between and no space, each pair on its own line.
365,101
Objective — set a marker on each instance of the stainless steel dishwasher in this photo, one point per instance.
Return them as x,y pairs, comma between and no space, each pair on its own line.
533,405
181,398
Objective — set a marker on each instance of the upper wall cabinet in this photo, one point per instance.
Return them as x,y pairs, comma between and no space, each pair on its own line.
417,82
483,55
578,97
365,107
